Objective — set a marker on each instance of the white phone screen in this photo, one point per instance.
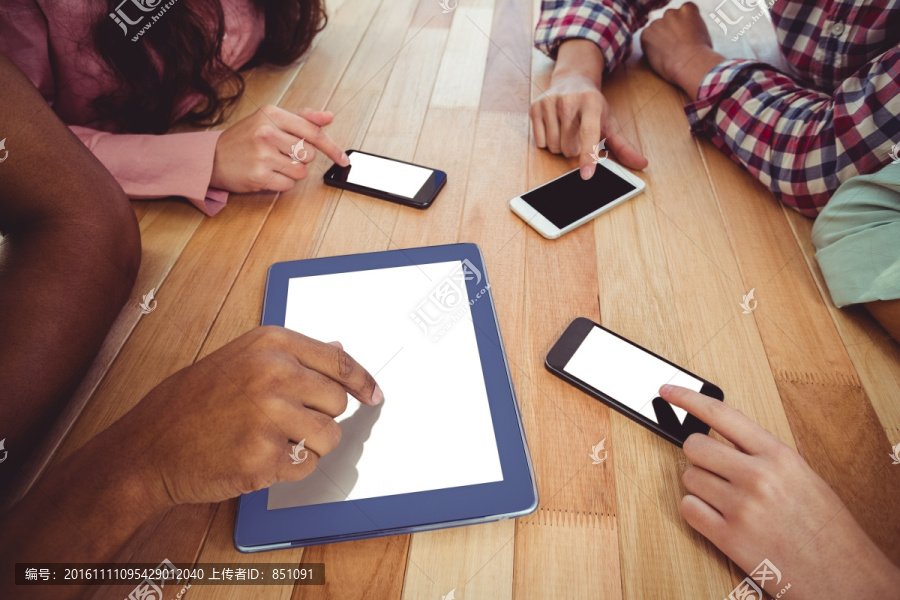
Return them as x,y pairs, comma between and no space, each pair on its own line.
626,372
399,179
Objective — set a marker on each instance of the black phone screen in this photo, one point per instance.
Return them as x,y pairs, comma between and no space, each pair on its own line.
570,198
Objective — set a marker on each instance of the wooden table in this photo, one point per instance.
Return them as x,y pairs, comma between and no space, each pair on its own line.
667,269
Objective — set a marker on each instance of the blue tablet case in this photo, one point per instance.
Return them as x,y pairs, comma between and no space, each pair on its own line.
258,529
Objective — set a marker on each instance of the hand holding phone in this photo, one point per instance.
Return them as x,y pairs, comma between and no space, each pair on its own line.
627,377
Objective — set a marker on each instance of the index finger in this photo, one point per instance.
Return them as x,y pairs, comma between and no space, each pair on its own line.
332,361
589,137
312,133
732,424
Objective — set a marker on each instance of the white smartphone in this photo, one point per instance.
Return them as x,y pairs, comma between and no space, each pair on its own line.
561,205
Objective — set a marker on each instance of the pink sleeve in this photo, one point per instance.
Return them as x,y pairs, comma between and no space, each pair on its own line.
156,166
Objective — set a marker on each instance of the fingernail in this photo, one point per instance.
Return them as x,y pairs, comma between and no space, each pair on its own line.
665,389
345,159
338,344
587,171
377,396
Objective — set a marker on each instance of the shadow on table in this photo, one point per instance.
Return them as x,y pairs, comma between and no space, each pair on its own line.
336,474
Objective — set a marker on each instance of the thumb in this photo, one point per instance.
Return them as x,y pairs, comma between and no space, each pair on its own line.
627,154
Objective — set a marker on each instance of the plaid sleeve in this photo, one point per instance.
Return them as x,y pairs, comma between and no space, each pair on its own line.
800,143
608,23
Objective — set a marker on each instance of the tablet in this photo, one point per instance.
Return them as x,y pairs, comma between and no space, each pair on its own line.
446,447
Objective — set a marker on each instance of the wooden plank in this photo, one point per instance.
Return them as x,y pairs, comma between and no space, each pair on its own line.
361,223
461,74
381,560
875,356
507,85
576,518
218,547
836,429
474,562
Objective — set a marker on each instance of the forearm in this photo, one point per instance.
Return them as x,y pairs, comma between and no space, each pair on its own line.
581,58
83,510
68,259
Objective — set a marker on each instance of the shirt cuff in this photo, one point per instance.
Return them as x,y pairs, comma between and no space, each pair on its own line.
213,202
714,87
606,29
208,199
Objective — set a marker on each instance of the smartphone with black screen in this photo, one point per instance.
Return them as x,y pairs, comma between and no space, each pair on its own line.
387,179
569,201
627,377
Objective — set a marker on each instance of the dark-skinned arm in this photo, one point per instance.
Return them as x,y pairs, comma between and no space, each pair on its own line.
69,256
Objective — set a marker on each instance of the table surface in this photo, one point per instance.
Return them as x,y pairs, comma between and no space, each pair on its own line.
667,269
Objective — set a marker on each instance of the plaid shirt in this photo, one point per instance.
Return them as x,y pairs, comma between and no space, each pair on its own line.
836,115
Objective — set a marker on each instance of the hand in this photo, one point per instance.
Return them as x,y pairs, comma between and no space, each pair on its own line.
573,116
679,49
762,500
254,153
226,425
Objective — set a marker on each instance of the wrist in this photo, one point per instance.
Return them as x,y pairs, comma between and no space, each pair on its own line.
579,58
113,468
689,71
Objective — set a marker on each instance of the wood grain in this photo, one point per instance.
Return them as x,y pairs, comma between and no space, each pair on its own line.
666,269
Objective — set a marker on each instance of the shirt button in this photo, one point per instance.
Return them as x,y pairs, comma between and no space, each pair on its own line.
837,29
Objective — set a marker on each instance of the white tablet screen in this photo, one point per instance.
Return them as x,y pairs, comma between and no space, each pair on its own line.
411,327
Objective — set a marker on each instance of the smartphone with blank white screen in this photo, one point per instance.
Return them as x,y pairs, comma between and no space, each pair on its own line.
627,377
387,179
567,202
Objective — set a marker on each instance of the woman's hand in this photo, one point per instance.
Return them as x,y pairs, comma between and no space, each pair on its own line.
227,424
762,500
254,154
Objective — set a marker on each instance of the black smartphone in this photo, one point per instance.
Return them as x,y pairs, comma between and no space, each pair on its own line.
627,377
387,179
